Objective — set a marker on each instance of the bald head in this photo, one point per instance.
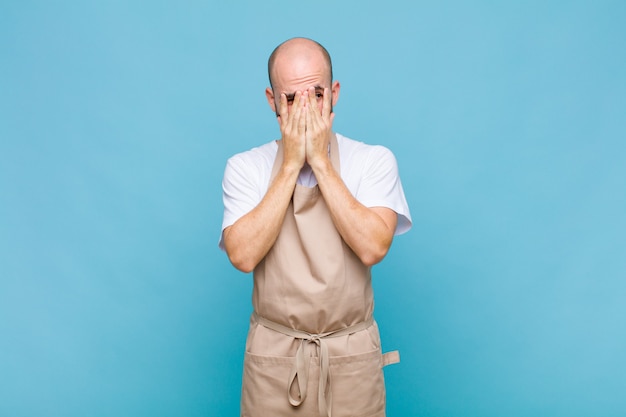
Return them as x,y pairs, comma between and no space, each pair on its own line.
297,49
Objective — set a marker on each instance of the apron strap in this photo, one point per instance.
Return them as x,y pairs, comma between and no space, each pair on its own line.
300,371
390,358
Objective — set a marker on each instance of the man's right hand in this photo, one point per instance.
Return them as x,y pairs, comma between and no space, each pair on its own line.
292,128
249,239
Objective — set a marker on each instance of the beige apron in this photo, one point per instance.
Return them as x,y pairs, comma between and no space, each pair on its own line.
313,348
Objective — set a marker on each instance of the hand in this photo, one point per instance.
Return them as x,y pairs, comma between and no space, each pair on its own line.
318,127
292,128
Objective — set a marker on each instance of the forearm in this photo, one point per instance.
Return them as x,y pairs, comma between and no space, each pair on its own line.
252,236
249,239
368,231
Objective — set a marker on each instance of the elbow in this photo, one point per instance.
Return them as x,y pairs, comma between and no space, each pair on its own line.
374,256
242,263
245,268
376,251
238,256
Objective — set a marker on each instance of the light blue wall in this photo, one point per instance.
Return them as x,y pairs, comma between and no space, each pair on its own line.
508,119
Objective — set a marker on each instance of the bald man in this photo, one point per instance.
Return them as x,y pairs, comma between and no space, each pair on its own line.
309,214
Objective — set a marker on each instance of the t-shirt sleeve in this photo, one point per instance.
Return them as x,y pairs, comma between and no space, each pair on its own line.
240,191
380,186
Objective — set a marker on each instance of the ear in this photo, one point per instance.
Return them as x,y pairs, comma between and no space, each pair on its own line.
334,88
269,94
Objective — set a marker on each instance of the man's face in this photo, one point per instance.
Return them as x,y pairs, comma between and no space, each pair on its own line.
299,73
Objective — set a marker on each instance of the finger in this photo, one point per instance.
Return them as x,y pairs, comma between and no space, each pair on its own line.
283,111
315,120
303,117
326,104
312,98
307,118
298,101
293,111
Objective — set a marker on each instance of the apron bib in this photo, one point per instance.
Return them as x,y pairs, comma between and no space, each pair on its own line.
313,348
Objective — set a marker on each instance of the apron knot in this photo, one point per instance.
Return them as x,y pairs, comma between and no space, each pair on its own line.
299,375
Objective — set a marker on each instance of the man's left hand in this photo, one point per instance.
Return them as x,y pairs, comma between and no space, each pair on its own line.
318,126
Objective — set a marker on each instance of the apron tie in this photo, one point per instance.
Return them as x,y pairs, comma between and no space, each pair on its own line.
299,375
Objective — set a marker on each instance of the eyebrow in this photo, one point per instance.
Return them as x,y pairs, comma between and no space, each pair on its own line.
291,96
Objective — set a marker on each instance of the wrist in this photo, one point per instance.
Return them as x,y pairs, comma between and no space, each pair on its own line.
321,165
290,169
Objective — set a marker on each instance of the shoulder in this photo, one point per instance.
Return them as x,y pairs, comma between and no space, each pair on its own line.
250,169
356,153
255,157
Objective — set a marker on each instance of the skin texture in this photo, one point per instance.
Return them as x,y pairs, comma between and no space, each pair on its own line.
303,96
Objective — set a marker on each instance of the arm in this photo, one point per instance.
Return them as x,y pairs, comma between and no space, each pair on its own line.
249,239
367,230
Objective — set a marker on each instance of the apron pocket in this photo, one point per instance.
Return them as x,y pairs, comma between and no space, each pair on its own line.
264,388
358,385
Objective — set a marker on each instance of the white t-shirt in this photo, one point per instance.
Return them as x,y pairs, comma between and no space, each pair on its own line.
370,172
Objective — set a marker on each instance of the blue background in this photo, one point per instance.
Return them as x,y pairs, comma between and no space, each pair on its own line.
507,298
